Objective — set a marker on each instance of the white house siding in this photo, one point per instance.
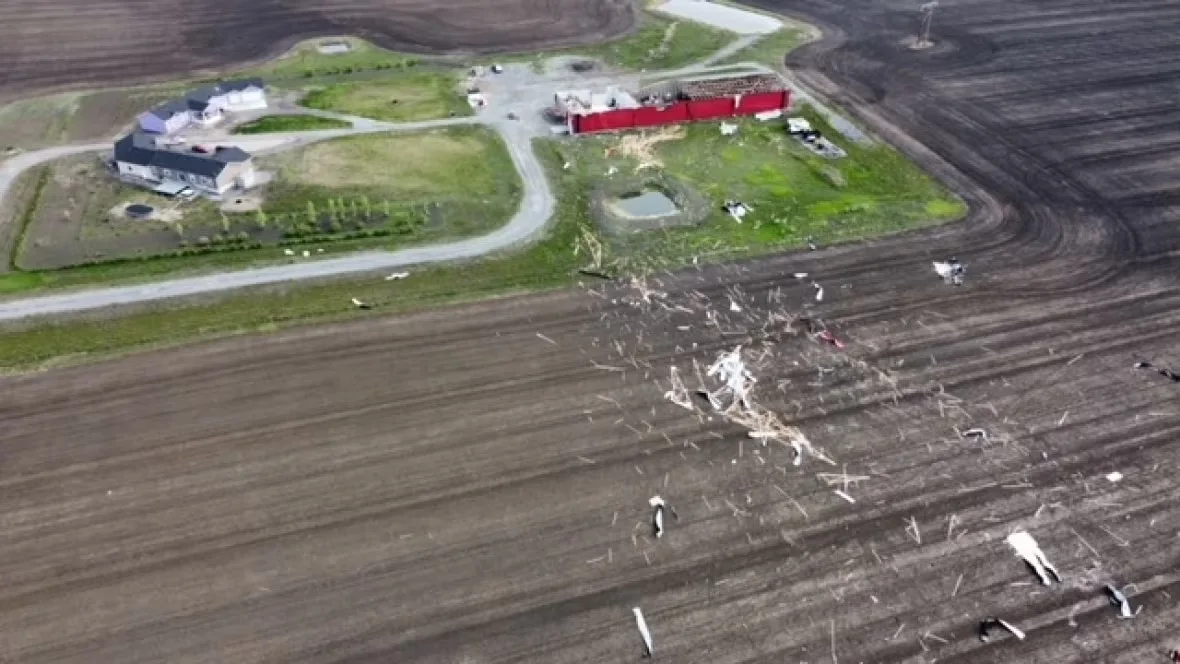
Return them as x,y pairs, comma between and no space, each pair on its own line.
144,172
177,122
245,100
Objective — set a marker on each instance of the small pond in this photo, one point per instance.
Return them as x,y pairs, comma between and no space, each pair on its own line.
646,204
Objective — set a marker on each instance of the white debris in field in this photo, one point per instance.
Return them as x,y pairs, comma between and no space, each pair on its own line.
288,252
733,306
1026,547
677,393
800,275
732,371
728,129
643,631
974,432
986,626
1117,598
819,293
1114,477
657,515
361,305
397,275
943,269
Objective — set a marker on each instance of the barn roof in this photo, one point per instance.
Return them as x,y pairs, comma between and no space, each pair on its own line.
749,84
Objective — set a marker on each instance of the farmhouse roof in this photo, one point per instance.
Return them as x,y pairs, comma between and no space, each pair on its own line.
198,99
141,149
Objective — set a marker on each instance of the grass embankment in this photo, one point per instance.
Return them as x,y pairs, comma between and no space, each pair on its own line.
402,97
305,60
660,42
378,190
276,123
772,49
791,194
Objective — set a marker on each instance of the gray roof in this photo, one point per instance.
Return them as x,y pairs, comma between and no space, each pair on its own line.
140,149
198,99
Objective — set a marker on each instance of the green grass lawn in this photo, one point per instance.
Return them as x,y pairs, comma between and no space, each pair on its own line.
660,42
305,60
771,49
402,97
463,174
794,194
275,123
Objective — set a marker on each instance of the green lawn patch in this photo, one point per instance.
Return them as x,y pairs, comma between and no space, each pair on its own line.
660,42
794,193
276,123
419,95
771,49
306,60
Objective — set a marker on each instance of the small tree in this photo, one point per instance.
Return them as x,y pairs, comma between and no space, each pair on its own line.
366,207
261,217
385,207
179,228
224,222
356,213
311,215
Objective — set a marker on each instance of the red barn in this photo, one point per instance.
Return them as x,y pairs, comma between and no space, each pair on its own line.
672,102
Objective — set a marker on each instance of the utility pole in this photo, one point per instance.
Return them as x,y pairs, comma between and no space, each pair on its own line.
927,10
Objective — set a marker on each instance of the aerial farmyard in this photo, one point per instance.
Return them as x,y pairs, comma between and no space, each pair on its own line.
588,332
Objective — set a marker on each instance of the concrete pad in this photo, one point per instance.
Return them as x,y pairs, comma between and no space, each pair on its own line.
722,16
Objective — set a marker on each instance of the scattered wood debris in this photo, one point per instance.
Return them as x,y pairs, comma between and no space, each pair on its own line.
988,624
1118,599
1028,549
643,632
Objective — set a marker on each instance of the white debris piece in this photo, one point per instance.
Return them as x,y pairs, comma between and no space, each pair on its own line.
798,125
732,371
974,432
288,252
1026,547
1114,477
361,305
819,293
800,275
986,626
769,115
657,516
1117,598
677,393
943,269
728,129
643,631
397,275
733,306
306,253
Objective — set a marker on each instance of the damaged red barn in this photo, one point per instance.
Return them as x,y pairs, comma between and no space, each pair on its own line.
671,102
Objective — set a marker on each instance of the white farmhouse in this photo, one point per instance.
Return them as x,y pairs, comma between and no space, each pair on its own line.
205,106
